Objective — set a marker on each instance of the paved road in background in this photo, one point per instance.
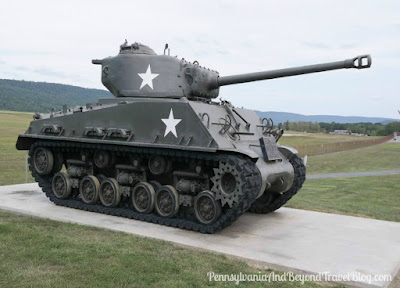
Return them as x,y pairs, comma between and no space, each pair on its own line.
356,174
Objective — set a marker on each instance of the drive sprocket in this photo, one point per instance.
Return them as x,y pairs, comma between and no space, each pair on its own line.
227,183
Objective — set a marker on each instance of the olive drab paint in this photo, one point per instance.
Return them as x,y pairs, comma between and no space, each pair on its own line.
162,150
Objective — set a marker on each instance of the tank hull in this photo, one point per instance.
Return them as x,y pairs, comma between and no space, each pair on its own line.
211,155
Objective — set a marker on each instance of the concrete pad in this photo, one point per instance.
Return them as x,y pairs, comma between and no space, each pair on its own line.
289,239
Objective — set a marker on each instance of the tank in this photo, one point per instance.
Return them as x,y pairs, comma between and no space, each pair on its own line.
162,150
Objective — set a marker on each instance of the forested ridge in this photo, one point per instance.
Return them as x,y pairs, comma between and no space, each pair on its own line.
42,97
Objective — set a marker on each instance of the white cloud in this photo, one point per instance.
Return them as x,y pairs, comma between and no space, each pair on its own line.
228,36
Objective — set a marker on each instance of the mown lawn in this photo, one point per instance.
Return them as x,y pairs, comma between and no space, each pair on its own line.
36,252
12,161
301,139
374,158
374,197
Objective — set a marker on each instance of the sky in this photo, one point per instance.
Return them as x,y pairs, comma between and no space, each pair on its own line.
55,41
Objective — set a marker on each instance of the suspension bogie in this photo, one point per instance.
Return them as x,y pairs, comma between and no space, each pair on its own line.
145,182
179,188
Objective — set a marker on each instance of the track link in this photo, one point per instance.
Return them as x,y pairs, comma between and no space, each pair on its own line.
265,204
250,176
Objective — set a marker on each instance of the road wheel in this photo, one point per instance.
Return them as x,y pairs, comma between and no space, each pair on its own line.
89,189
167,201
110,195
43,160
143,195
61,185
206,208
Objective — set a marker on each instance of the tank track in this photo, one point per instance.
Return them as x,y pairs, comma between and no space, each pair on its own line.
264,204
250,176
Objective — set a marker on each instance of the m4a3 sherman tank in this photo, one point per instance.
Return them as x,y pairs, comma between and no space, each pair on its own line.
162,151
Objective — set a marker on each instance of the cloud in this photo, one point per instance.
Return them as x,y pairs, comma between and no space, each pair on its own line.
348,46
232,37
180,40
316,45
16,52
222,51
45,71
22,68
201,53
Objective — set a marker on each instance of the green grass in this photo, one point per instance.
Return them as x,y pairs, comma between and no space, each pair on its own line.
12,161
302,139
373,158
312,144
36,252
375,197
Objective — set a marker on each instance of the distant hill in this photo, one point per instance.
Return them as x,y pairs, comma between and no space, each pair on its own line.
31,96
281,117
41,97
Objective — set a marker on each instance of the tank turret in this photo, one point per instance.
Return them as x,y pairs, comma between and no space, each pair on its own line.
137,71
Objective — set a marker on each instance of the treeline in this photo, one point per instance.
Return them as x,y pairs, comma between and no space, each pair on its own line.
42,97
371,129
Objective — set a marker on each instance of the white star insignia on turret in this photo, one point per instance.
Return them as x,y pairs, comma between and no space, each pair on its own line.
147,78
170,124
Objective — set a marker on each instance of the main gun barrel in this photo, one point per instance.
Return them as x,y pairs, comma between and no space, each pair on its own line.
359,62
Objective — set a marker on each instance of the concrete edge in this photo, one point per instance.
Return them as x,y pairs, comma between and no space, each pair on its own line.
251,262
396,280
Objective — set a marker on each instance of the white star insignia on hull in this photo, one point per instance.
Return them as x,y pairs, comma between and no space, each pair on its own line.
147,78
170,124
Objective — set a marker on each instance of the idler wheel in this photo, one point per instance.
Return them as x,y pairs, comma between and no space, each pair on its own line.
43,161
206,208
143,195
101,158
167,201
110,195
61,185
89,189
